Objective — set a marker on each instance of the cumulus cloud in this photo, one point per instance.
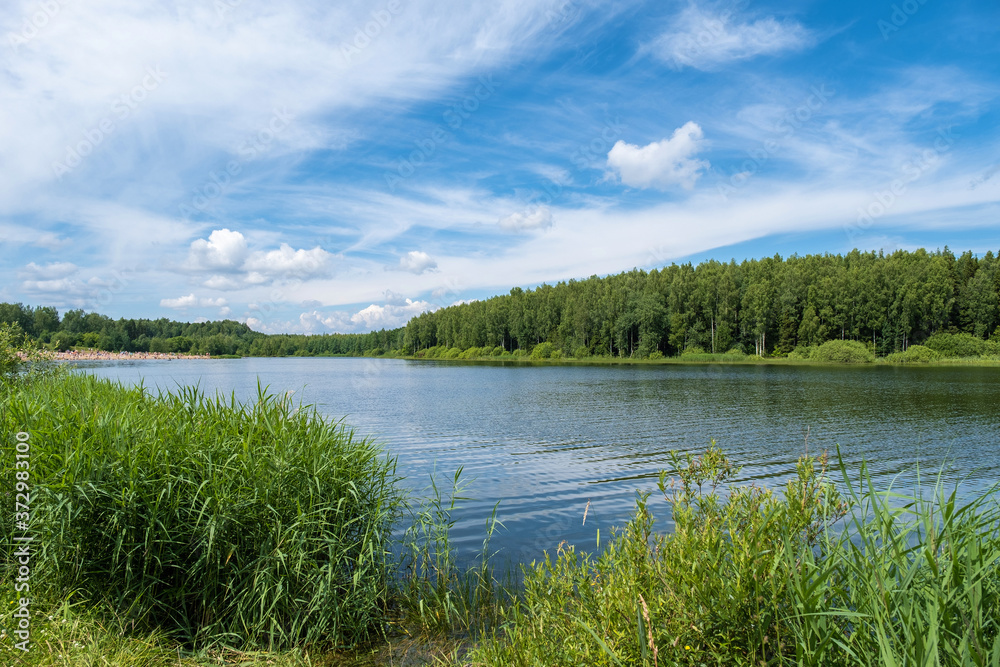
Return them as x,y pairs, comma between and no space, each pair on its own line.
705,40
417,261
223,250
227,257
538,217
288,262
191,301
661,164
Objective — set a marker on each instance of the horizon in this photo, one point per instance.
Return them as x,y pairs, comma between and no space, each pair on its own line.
314,169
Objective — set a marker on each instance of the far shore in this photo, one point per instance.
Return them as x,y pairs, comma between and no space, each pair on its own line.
100,355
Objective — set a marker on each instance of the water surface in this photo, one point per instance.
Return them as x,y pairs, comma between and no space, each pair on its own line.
546,440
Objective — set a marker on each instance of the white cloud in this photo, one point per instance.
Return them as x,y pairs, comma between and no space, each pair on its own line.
51,241
538,217
417,261
705,40
227,257
224,250
288,262
51,271
191,301
661,164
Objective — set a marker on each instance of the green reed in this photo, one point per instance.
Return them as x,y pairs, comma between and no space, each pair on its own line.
818,574
213,522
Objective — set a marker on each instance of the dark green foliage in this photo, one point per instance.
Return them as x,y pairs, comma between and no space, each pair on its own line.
843,352
958,345
216,523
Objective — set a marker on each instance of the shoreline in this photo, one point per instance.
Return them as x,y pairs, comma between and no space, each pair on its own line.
98,355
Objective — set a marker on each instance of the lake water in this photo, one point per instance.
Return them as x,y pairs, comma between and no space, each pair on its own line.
548,440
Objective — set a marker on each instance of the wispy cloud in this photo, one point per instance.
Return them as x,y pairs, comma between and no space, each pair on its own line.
704,39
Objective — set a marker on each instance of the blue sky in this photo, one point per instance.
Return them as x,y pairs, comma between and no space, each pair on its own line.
315,167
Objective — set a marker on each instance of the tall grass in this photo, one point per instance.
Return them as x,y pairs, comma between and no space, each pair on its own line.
213,522
435,592
819,574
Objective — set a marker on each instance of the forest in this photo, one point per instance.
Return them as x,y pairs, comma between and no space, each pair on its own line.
765,307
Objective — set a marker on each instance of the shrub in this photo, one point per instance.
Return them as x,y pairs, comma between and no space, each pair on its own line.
497,351
655,354
802,352
581,352
542,351
736,352
915,354
843,352
217,523
471,353
694,349
957,345
557,354
451,353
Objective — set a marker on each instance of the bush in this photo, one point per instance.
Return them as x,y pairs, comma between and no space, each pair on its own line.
736,352
843,352
451,353
471,353
497,351
542,351
915,354
802,352
581,352
655,354
957,345
694,349
249,526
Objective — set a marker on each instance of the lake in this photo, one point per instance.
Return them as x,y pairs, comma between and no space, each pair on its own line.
547,440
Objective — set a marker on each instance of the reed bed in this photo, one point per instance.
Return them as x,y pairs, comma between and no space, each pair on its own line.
819,574
211,522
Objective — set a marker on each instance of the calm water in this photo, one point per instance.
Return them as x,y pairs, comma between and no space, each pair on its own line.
547,440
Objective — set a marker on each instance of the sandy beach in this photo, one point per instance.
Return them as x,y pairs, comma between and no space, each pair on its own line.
99,355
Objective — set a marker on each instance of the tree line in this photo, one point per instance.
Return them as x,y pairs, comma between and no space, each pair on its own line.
768,306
